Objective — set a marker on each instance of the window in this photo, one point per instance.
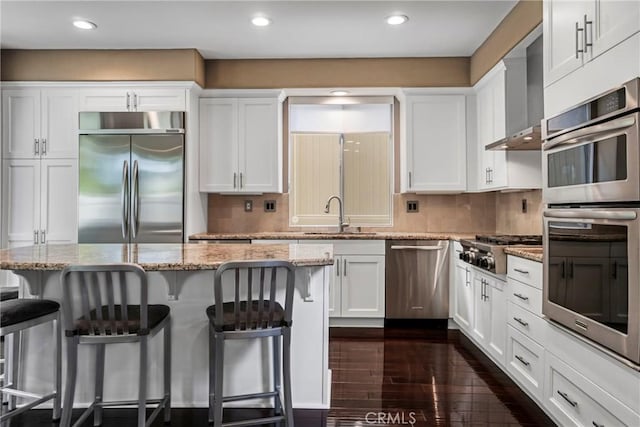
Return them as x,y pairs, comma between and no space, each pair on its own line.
344,150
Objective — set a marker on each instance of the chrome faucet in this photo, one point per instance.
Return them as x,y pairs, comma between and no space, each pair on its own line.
341,223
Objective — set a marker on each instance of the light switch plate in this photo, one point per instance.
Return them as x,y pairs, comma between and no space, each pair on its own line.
248,205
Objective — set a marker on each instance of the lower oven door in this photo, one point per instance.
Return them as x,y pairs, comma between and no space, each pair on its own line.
591,273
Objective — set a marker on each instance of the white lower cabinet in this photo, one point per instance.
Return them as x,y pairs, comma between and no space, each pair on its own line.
490,315
525,361
573,400
463,299
357,287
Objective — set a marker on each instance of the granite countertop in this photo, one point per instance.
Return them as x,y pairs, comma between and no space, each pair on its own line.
311,235
533,253
160,257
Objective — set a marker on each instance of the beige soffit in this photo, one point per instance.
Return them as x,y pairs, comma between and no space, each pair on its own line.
347,72
523,18
103,65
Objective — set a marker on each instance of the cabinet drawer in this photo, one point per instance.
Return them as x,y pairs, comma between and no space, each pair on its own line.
576,401
526,322
525,296
525,361
524,270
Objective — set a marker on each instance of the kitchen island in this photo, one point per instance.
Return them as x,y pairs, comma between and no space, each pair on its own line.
181,276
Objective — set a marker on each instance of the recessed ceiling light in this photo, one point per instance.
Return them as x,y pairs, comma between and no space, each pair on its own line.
339,92
84,25
528,138
261,21
397,19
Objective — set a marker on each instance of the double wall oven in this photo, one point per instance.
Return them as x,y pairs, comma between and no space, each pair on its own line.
591,188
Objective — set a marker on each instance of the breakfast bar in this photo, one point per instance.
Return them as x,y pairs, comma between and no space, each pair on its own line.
181,276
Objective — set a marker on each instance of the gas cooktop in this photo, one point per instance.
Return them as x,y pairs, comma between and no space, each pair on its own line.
487,251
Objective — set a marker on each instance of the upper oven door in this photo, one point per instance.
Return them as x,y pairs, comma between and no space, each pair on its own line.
594,164
591,274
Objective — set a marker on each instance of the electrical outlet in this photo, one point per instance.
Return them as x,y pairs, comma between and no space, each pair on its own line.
412,206
524,205
248,205
269,205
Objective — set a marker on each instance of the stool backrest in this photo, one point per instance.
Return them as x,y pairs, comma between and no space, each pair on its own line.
259,279
88,288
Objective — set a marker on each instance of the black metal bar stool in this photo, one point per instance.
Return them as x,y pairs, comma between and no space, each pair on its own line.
256,315
102,295
17,315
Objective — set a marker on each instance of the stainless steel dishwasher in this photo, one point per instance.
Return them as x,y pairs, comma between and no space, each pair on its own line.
417,279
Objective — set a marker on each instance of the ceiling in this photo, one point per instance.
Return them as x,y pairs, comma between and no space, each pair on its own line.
222,29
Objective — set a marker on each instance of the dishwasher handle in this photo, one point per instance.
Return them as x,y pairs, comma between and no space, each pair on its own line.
417,248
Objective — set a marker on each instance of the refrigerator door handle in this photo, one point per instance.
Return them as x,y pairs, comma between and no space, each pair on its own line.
135,220
125,200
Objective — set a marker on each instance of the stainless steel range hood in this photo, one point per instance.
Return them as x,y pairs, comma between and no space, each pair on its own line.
529,138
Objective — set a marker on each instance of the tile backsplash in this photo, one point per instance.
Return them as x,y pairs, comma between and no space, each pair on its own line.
470,212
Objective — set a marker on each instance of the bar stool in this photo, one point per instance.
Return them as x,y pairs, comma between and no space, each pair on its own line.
257,315
102,296
17,315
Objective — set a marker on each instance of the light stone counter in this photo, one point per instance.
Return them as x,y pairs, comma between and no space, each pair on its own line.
160,257
533,253
321,235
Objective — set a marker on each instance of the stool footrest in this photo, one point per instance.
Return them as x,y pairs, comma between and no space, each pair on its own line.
254,422
160,402
27,406
250,396
21,393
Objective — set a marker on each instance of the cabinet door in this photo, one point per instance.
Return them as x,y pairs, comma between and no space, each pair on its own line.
481,310
59,201
362,286
158,100
613,22
258,145
218,144
498,166
463,306
20,123
335,286
105,99
59,130
562,40
436,143
485,135
21,201
497,299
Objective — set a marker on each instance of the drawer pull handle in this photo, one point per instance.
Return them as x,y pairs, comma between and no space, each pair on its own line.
522,322
522,297
566,397
595,424
521,359
521,271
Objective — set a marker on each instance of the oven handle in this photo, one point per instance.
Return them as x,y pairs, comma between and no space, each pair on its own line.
592,214
591,131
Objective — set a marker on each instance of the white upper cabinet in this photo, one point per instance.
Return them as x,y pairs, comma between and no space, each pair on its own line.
436,144
39,123
128,99
500,108
576,32
239,150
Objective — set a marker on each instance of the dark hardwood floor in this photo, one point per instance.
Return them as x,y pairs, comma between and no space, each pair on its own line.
390,377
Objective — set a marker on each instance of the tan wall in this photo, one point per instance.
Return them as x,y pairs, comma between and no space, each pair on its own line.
349,72
103,65
509,216
523,18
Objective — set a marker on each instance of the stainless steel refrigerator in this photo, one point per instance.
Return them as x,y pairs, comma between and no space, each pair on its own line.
131,177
